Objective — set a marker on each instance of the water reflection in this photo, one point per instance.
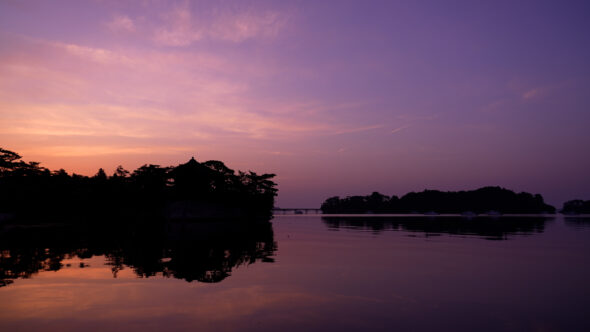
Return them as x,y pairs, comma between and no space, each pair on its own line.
578,221
203,251
490,228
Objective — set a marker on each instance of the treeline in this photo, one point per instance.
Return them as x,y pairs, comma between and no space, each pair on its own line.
576,206
483,200
27,189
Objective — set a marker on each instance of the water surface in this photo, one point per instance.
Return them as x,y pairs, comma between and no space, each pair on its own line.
305,273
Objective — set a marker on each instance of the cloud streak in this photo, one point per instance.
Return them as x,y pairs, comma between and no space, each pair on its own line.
180,26
83,100
397,130
121,23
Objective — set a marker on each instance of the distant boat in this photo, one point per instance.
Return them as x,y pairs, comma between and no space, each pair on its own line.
431,213
298,212
469,214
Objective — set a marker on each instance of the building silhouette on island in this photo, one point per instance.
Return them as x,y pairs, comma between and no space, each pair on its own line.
191,191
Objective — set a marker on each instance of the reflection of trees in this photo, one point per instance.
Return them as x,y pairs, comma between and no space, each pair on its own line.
24,262
487,227
578,221
205,252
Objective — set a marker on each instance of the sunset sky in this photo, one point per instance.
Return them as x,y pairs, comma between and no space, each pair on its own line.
335,97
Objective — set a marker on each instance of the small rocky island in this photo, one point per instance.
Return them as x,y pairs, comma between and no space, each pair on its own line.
489,200
194,190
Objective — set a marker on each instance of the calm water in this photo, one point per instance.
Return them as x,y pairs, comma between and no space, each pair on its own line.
305,273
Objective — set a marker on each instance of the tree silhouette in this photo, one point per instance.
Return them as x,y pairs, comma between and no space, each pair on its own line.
482,200
209,187
576,206
7,160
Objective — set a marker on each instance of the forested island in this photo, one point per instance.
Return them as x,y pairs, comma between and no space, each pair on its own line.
491,200
188,191
576,206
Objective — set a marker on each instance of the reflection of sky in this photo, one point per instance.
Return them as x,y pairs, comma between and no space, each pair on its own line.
336,99
326,279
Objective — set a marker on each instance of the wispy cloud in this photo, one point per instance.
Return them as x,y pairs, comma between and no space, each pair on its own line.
530,94
121,23
397,130
87,99
73,150
95,54
350,130
181,27
243,26
178,28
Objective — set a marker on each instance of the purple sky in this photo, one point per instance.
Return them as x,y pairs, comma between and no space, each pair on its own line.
336,97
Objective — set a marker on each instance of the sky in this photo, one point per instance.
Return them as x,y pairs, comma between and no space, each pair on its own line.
337,98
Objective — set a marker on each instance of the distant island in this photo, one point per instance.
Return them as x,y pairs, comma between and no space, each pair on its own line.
188,191
576,206
491,200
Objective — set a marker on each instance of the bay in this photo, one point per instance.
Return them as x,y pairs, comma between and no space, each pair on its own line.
311,273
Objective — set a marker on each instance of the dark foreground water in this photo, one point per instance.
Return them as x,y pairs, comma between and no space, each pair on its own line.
305,273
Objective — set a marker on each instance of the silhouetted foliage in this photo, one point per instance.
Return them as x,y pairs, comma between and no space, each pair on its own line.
204,251
576,206
482,200
190,190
